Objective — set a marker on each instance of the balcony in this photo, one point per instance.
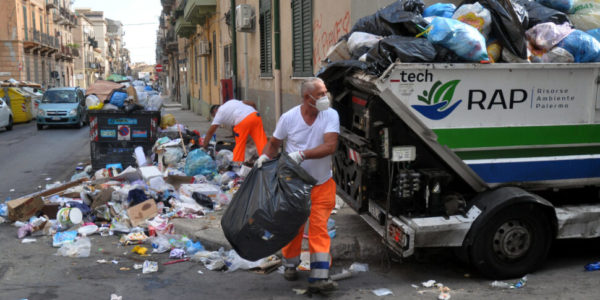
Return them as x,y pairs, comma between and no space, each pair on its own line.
184,29
196,11
167,5
37,36
51,4
30,41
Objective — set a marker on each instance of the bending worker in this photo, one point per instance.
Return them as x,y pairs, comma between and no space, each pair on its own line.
245,120
311,132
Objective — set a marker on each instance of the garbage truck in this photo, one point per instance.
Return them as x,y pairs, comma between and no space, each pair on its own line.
494,160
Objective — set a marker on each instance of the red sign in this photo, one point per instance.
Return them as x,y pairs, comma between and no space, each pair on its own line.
158,68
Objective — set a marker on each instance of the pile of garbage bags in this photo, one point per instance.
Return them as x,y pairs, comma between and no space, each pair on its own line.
486,31
126,96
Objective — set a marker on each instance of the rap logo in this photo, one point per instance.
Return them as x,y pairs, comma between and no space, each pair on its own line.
438,100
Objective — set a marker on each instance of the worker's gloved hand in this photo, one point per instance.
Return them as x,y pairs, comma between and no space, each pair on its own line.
297,156
258,163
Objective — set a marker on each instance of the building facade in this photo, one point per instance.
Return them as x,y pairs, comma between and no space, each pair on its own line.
278,44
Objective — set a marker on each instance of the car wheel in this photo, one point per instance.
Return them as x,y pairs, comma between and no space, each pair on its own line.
512,243
40,126
80,123
10,123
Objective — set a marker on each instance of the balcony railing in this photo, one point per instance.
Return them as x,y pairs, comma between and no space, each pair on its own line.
36,36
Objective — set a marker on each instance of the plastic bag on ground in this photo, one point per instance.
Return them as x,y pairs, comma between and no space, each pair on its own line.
172,156
538,13
560,5
199,162
464,40
547,35
476,16
402,48
362,39
268,209
79,248
583,47
398,18
506,26
155,102
440,10
585,14
235,262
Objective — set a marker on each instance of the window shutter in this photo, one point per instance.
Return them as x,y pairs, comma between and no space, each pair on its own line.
302,38
266,45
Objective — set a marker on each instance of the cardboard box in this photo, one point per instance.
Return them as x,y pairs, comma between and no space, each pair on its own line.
141,212
23,208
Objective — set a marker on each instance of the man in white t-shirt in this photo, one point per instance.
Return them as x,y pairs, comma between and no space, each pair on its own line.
311,132
245,120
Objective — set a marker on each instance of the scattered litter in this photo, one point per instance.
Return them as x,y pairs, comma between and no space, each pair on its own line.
428,283
176,261
115,262
61,238
150,267
12,190
139,250
27,241
79,248
593,266
444,296
358,267
299,291
345,274
124,268
138,266
177,253
414,286
501,284
102,261
382,292
115,297
200,272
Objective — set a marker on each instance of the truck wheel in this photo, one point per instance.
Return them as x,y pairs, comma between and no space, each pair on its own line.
512,243
10,123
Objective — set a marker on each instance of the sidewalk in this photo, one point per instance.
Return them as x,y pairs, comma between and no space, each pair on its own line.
354,240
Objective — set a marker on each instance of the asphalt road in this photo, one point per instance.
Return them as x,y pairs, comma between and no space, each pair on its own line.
30,158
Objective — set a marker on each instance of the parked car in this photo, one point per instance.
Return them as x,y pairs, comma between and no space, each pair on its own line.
6,115
62,106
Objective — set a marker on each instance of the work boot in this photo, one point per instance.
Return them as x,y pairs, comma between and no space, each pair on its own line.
323,286
290,274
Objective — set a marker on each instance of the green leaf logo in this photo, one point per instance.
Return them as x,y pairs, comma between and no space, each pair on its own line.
444,93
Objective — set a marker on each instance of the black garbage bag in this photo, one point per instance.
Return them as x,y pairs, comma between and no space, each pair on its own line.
406,49
267,211
539,13
521,13
506,26
333,75
398,18
203,200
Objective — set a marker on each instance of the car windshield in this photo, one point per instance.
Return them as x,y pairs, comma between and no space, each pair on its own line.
64,96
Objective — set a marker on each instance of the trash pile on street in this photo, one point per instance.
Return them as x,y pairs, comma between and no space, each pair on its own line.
486,31
137,198
127,96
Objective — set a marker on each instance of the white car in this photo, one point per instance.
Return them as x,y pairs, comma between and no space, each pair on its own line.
6,115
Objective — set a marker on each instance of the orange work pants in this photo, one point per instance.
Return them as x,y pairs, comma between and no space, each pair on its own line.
251,125
322,203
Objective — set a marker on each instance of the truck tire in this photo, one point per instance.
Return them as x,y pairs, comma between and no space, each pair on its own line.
512,243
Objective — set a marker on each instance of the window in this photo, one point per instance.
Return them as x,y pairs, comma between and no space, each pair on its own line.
25,21
206,69
33,20
214,54
196,65
227,61
35,69
266,49
302,38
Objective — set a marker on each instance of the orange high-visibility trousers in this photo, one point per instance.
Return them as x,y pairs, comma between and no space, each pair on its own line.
322,203
251,125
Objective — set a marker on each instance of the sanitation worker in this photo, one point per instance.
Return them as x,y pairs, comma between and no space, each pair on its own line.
311,132
244,118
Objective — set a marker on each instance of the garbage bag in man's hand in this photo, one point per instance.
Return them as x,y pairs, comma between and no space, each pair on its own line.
267,211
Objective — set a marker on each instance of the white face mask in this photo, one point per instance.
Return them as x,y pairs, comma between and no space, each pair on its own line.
321,103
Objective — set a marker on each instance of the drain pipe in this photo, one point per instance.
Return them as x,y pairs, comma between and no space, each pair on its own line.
277,69
233,50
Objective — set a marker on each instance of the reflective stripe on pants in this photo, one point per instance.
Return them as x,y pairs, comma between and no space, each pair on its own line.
251,125
322,203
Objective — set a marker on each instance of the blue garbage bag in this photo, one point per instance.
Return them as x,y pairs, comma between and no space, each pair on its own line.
147,88
595,33
445,10
463,39
584,47
118,98
199,162
561,5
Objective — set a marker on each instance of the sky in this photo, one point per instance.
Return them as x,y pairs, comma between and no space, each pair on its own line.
140,23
